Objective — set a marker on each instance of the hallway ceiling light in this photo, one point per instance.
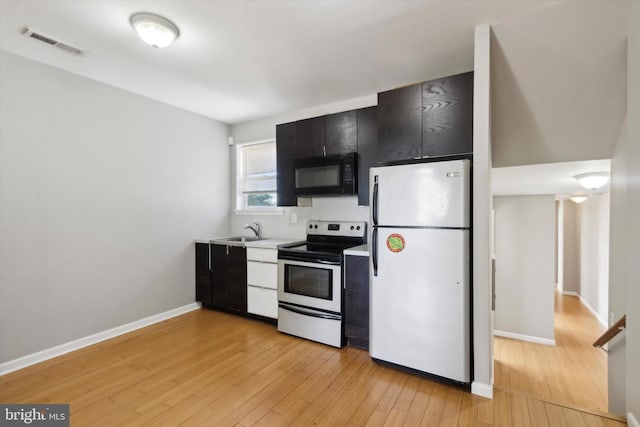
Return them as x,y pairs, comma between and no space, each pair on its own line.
578,199
592,180
154,29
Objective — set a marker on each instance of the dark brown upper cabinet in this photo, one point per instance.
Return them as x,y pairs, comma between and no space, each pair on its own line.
430,119
310,137
447,117
367,119
285,153
400,124
341,133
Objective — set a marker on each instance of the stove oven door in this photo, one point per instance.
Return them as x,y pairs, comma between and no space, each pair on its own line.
311,284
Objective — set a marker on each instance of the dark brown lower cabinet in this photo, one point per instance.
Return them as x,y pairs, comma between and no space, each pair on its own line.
236,278
356,301
203,273
221,276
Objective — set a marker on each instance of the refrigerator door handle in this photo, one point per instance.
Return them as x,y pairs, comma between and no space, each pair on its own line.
375,201
374,250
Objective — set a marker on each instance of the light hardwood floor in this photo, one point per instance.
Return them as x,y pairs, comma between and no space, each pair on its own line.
572,371
207,368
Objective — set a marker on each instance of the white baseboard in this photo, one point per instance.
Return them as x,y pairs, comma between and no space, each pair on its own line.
530,338
593,311
586,304
482,389
632,421
59,350
571,293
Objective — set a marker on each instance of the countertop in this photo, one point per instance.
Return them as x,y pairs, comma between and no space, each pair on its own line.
272,243
362,250
265,243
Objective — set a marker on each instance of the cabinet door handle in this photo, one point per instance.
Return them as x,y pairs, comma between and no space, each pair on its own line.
209,256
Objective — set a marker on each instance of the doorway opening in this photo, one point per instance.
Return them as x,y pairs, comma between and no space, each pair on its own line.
549,352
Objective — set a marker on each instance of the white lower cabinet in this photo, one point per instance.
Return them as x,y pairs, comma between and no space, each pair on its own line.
263,274
263,302
262,282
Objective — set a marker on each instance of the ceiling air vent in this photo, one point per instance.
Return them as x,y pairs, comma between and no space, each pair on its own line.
28,32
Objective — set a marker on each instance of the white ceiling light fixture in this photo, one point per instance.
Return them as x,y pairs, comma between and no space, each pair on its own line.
578,199
154,30
593,180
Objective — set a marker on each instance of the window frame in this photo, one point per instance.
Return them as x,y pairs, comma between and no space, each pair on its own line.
240,205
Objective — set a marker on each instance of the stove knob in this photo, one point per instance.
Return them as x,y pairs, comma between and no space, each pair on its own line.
316,226
358,228
352,227
310,225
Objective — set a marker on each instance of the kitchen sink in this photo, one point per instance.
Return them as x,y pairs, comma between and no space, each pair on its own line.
242,239
236,240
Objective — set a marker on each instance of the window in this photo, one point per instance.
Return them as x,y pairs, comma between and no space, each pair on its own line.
256,176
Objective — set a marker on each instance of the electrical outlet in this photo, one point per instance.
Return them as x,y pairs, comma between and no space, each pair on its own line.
294,218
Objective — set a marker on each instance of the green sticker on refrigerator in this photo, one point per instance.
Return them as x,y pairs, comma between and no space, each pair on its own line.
395,242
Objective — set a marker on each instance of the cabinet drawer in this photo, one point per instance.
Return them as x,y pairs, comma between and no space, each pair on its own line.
262,274
263,302
257,254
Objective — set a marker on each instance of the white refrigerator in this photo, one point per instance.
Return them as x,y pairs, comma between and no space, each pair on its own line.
420,263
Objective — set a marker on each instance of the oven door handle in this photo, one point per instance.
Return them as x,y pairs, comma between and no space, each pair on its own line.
311,313
308,261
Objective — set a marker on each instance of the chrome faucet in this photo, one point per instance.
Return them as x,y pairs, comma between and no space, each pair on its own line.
255,227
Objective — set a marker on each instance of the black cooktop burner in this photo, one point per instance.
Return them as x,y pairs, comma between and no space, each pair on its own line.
325,242
313,251
311,247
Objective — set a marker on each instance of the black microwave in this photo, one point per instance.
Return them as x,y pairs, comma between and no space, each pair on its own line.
327,175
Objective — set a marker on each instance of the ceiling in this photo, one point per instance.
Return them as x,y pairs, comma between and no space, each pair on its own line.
240,60
558,83
549,178
558,67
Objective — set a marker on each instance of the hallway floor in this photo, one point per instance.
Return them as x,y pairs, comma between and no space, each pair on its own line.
571,372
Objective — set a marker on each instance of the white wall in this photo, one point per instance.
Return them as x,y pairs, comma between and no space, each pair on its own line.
625,241
525,252
559,243
482,219
594,255
624,292
101,195
632,214
570,247
618,263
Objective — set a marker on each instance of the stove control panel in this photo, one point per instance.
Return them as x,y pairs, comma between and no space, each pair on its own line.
337,228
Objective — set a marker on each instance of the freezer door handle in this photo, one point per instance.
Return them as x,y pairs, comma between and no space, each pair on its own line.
375,201
374,250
